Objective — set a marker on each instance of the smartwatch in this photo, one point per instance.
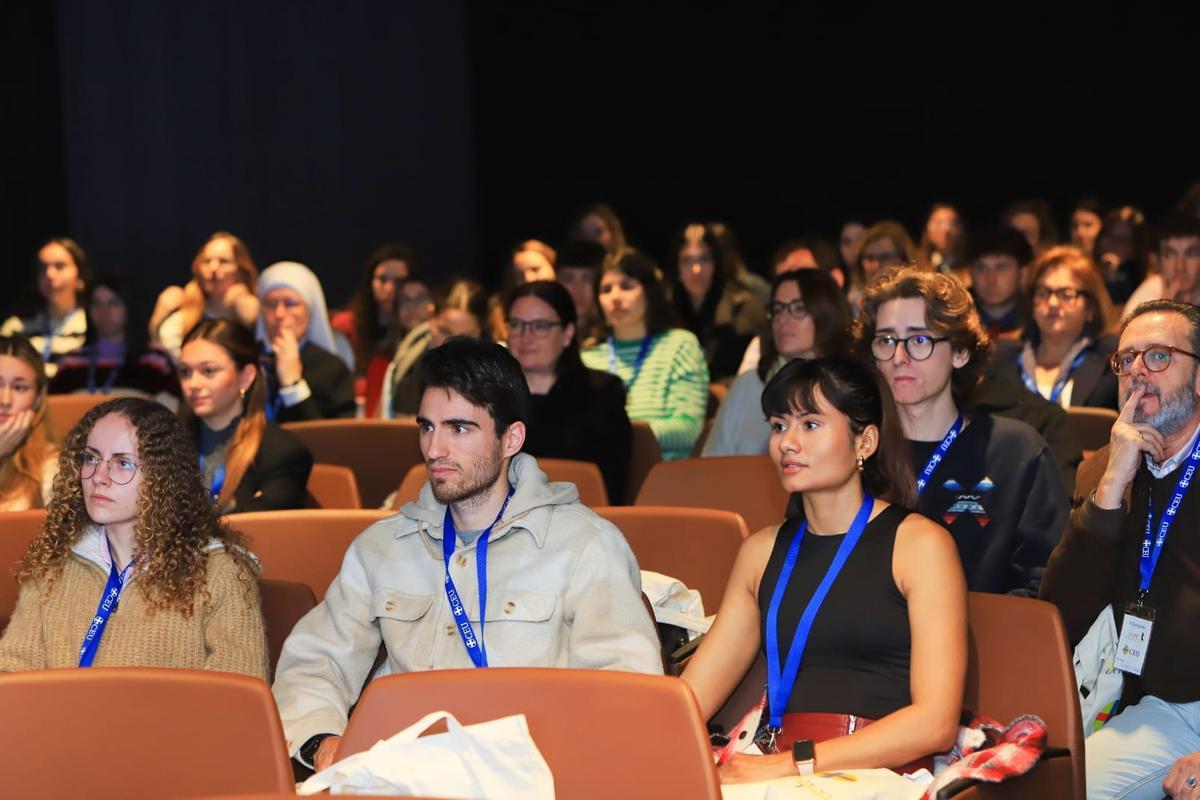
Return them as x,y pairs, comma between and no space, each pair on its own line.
308,750
804,756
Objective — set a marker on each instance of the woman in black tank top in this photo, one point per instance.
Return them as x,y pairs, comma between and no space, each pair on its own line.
878,681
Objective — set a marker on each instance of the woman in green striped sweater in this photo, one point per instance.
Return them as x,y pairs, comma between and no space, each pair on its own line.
663,367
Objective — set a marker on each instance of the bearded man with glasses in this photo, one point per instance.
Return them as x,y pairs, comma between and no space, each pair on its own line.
992,481
1133,543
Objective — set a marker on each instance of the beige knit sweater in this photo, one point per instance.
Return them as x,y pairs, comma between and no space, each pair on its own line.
224,634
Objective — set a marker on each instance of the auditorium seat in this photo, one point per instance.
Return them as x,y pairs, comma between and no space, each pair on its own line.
305,545
585,475
747,485
64,410
17,530
695,545
331,486
107,733
586,723
379,452
1092,426
284,603
644,454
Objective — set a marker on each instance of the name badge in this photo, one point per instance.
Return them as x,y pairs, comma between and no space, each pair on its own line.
1135,640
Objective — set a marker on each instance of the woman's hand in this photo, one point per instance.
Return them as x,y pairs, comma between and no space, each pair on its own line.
287,357
13,431
745,769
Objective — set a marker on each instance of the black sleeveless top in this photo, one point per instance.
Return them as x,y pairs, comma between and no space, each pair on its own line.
857,659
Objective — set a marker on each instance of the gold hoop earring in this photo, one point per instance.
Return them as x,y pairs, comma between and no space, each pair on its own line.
861,460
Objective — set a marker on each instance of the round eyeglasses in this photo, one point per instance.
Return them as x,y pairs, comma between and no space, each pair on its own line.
1156,357
795,309
918,346
537,327
121,468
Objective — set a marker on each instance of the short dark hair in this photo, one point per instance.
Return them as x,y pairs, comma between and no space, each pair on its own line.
1176,226
1002,240
581,253
862,395
484,373
1188,311
637,265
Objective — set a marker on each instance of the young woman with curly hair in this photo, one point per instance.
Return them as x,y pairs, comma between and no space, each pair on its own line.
133,568
248,463
27,444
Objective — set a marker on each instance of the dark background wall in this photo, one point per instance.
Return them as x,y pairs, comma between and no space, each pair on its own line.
318,130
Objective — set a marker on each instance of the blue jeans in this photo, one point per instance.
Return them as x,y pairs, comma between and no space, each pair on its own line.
1131,755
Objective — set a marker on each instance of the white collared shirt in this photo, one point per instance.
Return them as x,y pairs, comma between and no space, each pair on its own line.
1172,463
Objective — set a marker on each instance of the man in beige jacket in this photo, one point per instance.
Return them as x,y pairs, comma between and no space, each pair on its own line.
559,584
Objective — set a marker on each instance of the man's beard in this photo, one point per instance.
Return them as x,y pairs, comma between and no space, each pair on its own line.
476,482
1174,411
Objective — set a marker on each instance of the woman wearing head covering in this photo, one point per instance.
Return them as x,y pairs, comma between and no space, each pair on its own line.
305,379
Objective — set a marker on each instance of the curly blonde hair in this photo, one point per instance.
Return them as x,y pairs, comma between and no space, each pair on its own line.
176,519
21,472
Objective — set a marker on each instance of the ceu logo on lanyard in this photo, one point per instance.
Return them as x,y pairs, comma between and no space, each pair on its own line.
108,604
939,455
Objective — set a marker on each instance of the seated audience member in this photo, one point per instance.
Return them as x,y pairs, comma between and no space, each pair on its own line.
115,358
599,223
809,317
1034,220
305,377
579,264
28,455
805,252
849,243
1108,556
726,240
248,462
1063,354
998,261
129,510
575,412
532,261
1178,276
712,300
942,239
662,367
222,287
991,480
1122,252
1086,220
886,658
460,309
370,323
565,579
885,245
59,323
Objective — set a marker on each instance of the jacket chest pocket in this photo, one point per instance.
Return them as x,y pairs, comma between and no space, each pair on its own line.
390,604
518,605
406,625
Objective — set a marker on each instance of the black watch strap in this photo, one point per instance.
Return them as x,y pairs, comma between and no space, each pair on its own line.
308,750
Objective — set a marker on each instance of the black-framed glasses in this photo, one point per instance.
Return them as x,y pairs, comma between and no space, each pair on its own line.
919,346
121,468
795,309
537,327
1042,294
1156,357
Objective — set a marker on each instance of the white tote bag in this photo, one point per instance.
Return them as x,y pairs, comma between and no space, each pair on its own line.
494,760
1099,682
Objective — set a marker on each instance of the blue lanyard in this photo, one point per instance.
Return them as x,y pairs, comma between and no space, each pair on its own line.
1061,383
47,336
1152,547
274,403
473,643
780,685
643,351
939,455
108,604
218,481
109,382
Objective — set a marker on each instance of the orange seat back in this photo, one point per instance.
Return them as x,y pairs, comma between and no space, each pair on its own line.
747,485
378,451
332,486
585,475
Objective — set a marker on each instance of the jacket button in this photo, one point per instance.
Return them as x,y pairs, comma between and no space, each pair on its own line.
449,630
510,607
389,606
462,560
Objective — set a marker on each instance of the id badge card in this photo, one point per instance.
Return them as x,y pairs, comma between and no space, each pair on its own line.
1135,638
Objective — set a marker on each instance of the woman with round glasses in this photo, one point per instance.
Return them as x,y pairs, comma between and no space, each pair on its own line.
576,413
991,480
222,287
809,317
130,527
1062,355
307,378
28,452
662,367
